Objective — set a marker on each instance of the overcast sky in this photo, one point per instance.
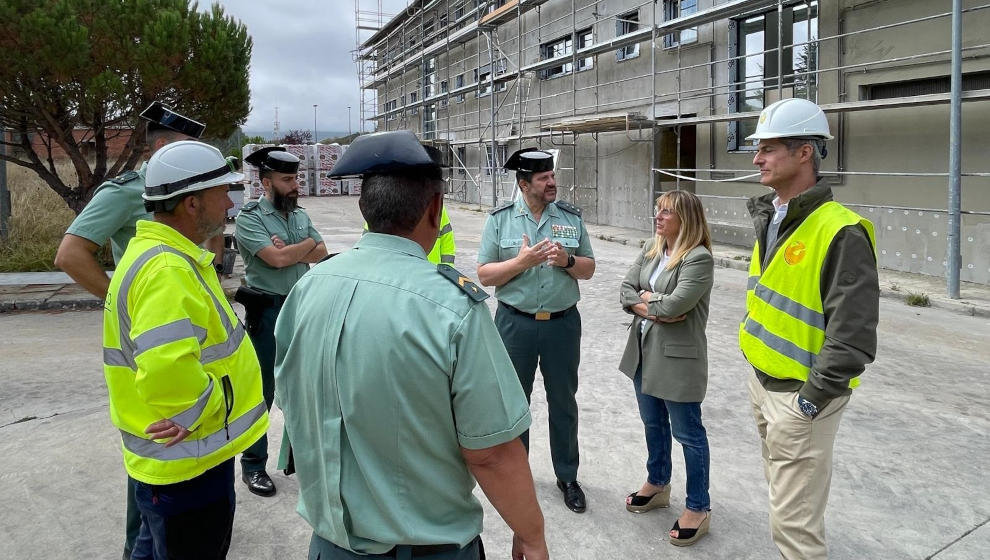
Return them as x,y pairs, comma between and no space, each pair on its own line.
302,56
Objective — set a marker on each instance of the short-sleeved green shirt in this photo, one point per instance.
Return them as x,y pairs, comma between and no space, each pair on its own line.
113,212
541,288
255,225
384,369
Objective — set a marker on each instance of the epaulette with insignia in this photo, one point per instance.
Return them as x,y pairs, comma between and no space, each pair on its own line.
463,282
504,205
125,177
250,206
568,207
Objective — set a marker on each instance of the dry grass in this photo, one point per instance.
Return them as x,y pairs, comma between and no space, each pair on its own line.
38,219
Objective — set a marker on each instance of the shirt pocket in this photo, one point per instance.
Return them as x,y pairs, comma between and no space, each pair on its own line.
508,248
569,244
680,350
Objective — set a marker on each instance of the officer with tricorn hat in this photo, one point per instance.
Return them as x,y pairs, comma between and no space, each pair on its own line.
534,250
277,242
413,356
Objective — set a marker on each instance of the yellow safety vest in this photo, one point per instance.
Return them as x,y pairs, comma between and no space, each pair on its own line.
444,249
784,327
173,348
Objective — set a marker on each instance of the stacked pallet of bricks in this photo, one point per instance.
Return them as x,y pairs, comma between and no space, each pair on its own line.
254,189
325,156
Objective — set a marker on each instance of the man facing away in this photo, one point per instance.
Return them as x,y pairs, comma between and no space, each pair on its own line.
277,241
396,391
812,307
534,251
112,214
184,381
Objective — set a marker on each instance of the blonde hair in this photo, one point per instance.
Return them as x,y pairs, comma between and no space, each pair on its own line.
694,226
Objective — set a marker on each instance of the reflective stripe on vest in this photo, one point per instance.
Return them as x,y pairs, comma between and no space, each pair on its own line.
784,328
167,334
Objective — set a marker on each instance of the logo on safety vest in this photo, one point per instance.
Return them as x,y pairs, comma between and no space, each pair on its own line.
794,253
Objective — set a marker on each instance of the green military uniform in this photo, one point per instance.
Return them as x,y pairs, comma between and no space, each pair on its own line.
377,406
254,227
537,315
113,212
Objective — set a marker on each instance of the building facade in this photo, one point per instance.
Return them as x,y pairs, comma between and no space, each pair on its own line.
641,97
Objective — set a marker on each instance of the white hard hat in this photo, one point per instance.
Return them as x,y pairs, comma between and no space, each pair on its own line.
187,166
791,118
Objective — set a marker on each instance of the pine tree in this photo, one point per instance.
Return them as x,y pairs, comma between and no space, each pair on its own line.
94,65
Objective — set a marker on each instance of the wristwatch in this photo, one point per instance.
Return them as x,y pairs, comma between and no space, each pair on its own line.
570,261
808,408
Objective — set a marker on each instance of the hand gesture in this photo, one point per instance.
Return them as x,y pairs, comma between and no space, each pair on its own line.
641,310
535,255
557,255
167,429
277,242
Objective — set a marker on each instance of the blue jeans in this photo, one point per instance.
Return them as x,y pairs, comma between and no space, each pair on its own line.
662,418
190,519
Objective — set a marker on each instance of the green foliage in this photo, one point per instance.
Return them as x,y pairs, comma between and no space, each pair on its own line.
93,65
918,300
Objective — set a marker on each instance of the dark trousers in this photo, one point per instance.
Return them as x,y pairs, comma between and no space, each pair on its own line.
192,519
134,547
554,345
322,549
261,329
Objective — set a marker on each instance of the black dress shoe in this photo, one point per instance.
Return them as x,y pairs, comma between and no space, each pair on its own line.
573,496
259,483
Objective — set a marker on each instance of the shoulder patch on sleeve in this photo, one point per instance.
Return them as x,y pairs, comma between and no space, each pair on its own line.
462,282
125,177
568,207
250,206
503,206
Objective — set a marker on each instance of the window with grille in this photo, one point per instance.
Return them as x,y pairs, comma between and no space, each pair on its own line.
563,46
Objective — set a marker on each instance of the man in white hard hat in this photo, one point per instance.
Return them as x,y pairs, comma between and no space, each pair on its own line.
184,381
812,307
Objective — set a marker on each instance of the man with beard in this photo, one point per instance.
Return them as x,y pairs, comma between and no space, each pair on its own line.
277,241
184,384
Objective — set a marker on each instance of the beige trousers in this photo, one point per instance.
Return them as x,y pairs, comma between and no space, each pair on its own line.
797,461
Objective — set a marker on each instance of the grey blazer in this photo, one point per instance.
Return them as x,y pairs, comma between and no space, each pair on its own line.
674,356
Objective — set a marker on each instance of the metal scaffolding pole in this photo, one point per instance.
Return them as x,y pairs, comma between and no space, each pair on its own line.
954,256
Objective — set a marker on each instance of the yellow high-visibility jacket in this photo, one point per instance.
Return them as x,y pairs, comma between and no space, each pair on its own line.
173,348
784,326
444,249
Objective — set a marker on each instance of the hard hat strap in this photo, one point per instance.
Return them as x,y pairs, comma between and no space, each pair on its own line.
175,186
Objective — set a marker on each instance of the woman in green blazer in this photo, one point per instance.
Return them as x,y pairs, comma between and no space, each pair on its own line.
667,290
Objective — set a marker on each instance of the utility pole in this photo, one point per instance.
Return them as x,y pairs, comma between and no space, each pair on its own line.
348,120
314,123
954,257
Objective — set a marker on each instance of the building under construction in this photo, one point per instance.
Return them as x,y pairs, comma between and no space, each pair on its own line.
641,97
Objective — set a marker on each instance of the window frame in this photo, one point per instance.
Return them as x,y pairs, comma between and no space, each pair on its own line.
673,9
624,24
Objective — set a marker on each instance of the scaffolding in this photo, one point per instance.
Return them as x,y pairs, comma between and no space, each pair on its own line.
520,53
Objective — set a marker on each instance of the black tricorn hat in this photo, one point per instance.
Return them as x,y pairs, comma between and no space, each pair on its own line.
389,153
530,160
160,117
274,158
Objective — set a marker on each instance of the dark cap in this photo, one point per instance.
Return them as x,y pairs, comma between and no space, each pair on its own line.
274,158
389,153
160,117
530,160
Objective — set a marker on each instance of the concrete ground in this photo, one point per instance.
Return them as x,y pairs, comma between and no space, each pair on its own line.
909,463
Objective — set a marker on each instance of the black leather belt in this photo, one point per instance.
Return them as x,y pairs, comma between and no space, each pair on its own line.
539,315
421,550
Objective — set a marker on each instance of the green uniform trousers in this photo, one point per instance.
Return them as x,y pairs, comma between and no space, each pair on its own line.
554,345
261,328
